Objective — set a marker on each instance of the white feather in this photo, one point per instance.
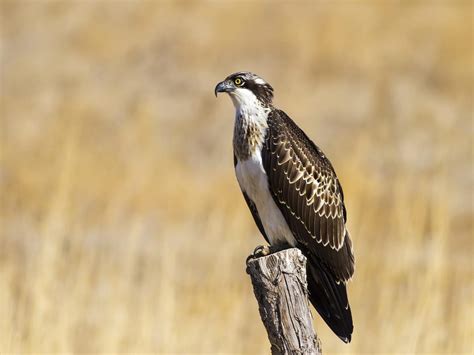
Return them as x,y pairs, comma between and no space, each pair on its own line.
254,182
247,105
250,173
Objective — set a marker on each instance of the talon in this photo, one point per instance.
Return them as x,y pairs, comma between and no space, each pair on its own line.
261,250
250,257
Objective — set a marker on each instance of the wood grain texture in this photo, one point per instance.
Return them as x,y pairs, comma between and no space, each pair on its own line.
280,287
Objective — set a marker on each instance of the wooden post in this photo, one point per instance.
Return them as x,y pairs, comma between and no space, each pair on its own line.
280,287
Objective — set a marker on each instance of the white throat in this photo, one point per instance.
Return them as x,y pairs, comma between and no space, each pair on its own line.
247,105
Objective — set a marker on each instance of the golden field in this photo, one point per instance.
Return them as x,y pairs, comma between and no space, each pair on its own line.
122,225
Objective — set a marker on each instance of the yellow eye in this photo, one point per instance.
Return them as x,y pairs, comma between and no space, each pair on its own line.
238,81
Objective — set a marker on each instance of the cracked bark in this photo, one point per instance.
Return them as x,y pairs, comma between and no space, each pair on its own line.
280,287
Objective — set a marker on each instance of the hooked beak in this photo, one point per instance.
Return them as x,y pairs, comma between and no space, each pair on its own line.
224,86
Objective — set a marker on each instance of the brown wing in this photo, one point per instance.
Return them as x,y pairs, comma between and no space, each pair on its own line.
307,191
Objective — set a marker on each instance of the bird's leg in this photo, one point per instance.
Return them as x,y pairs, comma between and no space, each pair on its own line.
264,250
261,250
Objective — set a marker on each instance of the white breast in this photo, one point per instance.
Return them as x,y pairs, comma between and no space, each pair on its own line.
253,180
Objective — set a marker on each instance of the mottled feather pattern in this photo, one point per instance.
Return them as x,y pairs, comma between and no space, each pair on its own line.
315,186
293,194
248,136
308,192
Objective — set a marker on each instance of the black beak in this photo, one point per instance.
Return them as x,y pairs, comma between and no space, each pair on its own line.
224,86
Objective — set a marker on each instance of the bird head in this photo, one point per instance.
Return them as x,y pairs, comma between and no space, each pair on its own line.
245,87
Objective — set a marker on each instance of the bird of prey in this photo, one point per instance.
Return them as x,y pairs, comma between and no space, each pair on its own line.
293,194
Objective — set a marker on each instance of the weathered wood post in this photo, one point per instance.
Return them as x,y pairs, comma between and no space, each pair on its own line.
280,287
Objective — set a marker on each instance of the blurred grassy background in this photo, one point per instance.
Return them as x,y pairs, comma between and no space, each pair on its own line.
122,226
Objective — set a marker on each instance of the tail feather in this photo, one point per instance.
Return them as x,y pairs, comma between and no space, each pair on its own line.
330,299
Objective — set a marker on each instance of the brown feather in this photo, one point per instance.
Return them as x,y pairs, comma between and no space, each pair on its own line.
306,190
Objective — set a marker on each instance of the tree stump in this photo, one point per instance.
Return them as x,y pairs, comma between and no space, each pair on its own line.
280,287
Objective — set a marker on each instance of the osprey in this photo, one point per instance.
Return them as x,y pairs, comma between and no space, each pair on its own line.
293,194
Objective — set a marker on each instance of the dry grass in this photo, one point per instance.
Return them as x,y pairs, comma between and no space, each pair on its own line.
122,226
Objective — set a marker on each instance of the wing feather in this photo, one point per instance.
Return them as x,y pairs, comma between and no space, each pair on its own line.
306,189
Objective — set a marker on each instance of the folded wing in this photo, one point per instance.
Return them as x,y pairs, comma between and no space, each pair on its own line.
307,191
